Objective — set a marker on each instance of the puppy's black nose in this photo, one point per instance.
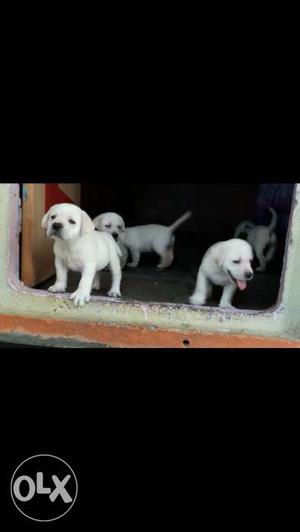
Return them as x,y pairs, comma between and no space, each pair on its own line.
248,275
56,226
115,235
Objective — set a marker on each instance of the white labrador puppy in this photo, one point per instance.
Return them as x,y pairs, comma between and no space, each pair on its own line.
113,223
262,238
153,237
142,238
78,247
225,264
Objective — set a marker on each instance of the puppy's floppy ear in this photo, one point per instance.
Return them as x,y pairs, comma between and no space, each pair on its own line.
86,224
122,224
99,222
45,219
219,255
248,227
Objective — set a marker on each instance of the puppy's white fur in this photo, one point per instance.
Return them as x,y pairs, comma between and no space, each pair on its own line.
152,237
78,247
226,264
113,223
260,237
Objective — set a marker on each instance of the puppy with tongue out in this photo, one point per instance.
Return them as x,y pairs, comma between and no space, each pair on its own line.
226,264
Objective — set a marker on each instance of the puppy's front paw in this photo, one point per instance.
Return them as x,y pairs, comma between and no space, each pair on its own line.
57,288
80,297
226,305
261,269
113,293
132,264
197,300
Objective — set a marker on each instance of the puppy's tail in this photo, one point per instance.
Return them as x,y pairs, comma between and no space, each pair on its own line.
180,221
273,223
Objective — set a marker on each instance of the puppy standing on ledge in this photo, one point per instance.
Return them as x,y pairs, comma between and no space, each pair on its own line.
225,264
78,247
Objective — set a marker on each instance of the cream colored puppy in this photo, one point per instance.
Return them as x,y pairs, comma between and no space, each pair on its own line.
78,247
153,237
113,223
226,264
262,238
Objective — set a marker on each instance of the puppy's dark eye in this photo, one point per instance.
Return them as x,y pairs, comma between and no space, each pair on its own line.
237,261
53,216
108,226
72,221
119,227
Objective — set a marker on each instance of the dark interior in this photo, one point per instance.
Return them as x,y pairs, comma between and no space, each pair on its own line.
217,210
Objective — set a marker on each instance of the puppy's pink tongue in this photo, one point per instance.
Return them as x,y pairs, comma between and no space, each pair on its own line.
242,285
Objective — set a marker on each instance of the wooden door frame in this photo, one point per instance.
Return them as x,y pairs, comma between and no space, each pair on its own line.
36,267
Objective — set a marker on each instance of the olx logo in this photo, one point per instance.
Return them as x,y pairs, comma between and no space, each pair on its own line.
44,487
